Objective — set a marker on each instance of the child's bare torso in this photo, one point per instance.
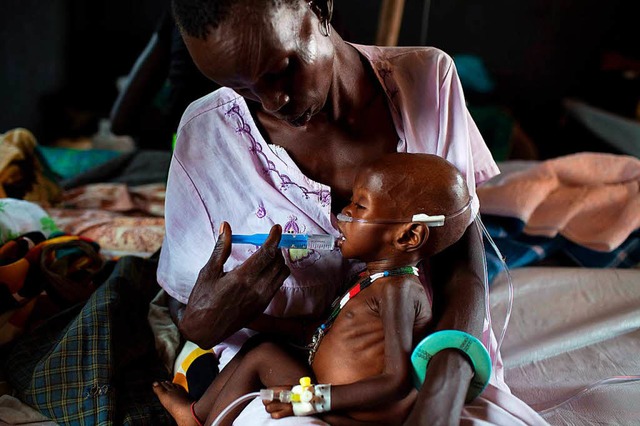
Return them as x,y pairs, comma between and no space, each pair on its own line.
353,349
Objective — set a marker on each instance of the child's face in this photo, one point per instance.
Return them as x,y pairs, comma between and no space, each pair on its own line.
369,201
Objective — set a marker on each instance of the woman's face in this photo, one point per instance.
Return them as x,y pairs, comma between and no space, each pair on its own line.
276,57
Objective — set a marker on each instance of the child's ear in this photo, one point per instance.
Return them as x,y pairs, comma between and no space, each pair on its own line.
412,236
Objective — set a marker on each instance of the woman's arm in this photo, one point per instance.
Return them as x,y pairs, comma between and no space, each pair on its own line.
459,294
144,81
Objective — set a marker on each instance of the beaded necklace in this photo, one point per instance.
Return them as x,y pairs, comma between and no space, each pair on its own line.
339,303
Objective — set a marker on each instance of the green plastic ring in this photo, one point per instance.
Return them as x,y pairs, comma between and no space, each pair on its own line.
453,339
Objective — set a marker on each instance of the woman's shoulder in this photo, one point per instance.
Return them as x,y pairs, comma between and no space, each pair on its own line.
405,54
217,102
209,127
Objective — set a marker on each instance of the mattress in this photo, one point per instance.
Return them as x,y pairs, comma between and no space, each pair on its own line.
573,342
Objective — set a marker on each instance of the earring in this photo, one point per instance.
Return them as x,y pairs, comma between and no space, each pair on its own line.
324,13
325,27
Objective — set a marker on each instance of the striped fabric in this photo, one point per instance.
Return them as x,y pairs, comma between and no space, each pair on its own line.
94,364
520,249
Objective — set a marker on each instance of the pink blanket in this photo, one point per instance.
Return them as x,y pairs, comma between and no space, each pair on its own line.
592,199
122,219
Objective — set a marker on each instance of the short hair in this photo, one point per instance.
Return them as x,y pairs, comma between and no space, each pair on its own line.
437,187
197,17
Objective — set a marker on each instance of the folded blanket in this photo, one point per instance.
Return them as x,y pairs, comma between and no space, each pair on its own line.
592,199
518,249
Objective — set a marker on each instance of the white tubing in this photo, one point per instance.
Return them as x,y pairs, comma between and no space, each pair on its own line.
507,315
233,405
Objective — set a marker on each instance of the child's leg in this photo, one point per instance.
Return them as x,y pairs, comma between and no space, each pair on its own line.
269,364
176,400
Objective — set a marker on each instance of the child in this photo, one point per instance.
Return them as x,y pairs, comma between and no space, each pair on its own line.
363,348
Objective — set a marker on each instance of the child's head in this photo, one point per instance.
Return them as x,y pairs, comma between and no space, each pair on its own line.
390,191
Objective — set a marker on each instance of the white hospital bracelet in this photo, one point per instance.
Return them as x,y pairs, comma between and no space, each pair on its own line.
323,398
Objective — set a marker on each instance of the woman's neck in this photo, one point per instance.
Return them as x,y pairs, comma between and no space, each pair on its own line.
355,86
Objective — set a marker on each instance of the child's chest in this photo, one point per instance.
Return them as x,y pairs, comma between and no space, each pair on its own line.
361,315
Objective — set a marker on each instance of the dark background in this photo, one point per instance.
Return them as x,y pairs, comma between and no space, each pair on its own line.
59,52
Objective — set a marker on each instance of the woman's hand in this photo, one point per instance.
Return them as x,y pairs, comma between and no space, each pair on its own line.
222,303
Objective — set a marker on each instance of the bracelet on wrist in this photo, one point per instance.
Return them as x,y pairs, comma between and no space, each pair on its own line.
193,414
474,350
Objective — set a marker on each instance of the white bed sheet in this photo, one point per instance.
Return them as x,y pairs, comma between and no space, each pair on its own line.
571,328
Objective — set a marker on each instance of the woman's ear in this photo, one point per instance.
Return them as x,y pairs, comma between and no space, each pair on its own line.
322,8
411,237
324,11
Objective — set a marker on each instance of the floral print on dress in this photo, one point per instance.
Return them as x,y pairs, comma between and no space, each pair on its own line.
261,212
323,195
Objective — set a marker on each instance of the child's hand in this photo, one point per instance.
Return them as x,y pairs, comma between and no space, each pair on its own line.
277,409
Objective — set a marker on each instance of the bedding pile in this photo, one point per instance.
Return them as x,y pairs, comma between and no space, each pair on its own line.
584,206
76,280
22,172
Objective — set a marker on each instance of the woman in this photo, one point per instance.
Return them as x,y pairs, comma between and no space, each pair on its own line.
280,144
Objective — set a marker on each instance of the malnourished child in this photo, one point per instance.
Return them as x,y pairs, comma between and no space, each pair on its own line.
404,208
